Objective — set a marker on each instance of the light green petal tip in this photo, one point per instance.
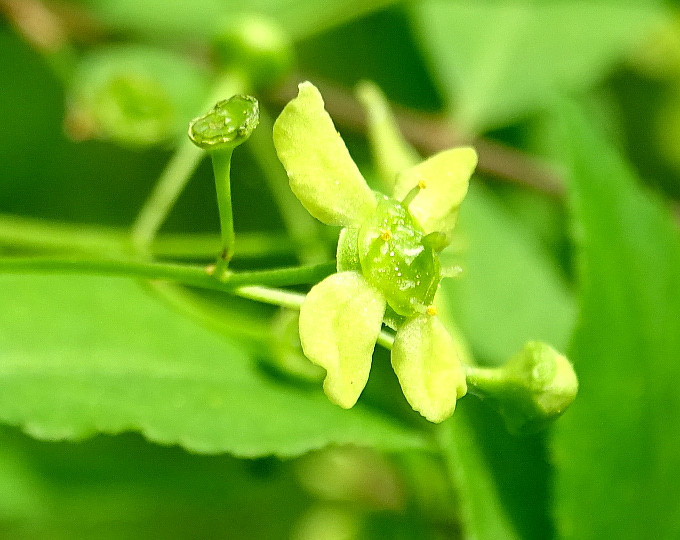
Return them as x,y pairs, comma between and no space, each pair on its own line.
425,359
339,324
391,152
321,172
444,178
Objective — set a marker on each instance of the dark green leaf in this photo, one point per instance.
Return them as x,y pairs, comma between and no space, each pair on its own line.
617,447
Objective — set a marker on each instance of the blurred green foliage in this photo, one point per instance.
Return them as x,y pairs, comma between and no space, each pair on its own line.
225,445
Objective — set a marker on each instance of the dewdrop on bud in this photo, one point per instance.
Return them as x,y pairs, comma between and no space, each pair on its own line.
227,125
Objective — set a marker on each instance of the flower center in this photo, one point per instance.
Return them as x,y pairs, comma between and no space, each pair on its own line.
396,261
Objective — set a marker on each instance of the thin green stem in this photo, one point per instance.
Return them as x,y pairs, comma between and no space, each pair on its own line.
30,233
206,245
170,184
221,161
386,339
482,381
196,276
276,297
178,171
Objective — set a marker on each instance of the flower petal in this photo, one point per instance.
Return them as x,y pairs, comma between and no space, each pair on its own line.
339,324
445,177
425,359
321,172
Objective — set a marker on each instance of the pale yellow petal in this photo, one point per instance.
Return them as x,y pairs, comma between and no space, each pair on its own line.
444,179
339,324
426,361
321,172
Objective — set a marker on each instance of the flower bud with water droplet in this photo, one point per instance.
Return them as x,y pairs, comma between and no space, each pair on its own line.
228,124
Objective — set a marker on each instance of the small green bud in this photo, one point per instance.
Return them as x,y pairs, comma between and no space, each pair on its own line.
531,390
354,475
227,125
134,109
258,46
133,95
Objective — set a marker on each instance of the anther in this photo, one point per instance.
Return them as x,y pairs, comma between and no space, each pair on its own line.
431,311
386,235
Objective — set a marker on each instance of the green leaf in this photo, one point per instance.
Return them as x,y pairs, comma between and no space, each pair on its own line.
425,358
322,174
510,291
339,324
83,355
617,447
497,61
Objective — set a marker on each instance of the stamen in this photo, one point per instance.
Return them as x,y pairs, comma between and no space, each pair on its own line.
386,235
414,193
431,310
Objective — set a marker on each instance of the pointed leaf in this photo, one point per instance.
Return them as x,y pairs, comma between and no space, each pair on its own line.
617,447
444,179
425,359
339,324
322,174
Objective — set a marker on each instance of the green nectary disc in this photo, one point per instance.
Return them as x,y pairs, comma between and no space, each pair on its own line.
395,260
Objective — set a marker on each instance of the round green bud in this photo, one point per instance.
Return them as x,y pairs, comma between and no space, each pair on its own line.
531,390
227,125
395,260
132,109
257,46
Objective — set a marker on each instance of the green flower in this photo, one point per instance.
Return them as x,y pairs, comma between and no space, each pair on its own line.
388,261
